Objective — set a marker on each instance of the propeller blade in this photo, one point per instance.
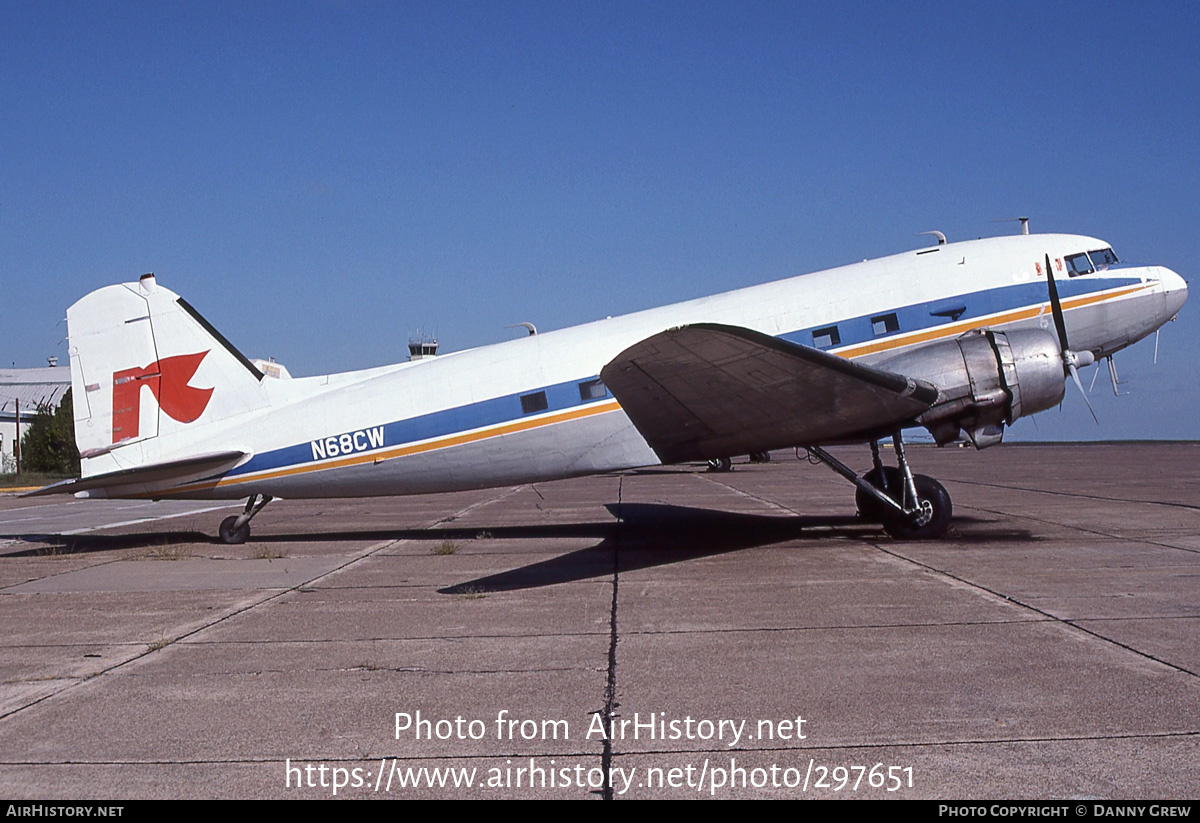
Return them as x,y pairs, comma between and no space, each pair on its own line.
1075,374
1071,360
1060,325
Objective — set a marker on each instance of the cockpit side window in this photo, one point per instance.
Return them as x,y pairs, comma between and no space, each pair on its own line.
1078,264
1102,258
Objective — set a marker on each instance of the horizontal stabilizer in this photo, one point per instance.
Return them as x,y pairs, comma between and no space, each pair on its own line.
706,391
166,474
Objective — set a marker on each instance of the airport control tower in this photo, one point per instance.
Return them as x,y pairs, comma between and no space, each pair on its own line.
422,347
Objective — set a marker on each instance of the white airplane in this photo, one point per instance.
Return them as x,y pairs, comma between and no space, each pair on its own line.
960,338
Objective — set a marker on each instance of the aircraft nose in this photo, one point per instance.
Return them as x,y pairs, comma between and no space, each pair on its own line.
1175,290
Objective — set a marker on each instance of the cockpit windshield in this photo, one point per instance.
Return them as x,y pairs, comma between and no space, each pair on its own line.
1102,259
1078,264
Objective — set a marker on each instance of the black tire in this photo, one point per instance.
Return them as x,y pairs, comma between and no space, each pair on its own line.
760,457
895,524
720,464
868,507
935,521
231,537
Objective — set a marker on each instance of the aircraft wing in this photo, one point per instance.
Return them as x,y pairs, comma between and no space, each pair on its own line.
168,472
708,390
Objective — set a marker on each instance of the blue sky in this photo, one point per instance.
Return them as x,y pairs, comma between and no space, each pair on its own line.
323,179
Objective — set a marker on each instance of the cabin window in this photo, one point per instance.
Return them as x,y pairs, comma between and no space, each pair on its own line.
1102,259
885,324
1078,264
827,337
592,390
535,402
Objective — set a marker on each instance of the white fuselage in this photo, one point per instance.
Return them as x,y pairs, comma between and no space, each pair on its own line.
458,421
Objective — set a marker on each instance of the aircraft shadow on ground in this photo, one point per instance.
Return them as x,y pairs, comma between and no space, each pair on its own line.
58,544
674,532
650,534
47,545
641,535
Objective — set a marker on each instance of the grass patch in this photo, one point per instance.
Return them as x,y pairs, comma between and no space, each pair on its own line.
445,547
262,552
167,551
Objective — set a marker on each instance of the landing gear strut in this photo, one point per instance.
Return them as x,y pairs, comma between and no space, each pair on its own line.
236,528
910,507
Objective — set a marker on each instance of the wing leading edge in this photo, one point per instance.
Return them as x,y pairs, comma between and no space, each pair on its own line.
708,390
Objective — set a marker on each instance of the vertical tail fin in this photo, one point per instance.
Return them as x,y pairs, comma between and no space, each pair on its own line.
147,369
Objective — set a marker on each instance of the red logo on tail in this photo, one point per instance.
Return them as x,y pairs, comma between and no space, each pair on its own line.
168,381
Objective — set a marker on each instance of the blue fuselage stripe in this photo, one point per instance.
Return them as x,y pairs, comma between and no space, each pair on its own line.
495,411
918,317
563,396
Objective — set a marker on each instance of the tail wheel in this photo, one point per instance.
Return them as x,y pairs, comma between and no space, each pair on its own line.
720,464
232,536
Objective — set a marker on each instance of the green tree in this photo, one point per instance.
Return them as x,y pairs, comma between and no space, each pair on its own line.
48,445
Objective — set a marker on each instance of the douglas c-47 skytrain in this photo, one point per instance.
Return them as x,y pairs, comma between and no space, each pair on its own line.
960,338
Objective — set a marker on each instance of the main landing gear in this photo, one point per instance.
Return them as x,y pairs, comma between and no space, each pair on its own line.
725,464
910,506
236,528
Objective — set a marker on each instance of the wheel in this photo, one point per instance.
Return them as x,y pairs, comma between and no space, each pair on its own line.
231,536
933,519
720,464
868,507
760,457
932,497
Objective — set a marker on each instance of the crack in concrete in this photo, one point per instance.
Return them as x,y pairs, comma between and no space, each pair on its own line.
610,686
1085,529
1080,495
491,756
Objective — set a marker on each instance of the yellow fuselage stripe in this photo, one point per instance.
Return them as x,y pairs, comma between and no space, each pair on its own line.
953,329
415,448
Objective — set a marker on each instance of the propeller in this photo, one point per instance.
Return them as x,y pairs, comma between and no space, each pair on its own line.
1072,360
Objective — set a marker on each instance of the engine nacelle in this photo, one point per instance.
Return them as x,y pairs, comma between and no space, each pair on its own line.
985,380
